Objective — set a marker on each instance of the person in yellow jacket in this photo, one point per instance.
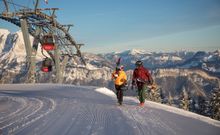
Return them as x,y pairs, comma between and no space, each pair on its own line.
120,79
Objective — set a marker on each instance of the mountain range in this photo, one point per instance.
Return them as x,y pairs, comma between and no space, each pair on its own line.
196,72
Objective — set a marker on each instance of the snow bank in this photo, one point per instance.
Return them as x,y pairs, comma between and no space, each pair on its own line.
105,91
183,113
177,111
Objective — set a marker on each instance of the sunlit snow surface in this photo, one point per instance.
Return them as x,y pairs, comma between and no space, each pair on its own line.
48,109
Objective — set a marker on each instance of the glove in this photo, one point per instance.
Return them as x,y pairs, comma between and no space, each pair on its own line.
124,86
115,75
133,82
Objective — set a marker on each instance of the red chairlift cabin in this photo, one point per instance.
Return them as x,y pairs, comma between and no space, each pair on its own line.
46,65
48,42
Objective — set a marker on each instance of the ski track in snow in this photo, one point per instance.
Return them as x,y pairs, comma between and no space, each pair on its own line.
46,109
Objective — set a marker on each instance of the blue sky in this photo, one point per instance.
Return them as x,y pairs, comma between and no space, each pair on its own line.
152,25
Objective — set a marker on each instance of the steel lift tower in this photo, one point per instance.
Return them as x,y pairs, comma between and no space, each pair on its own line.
53,37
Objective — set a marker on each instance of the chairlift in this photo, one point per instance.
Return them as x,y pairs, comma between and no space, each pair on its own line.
46,65
48,42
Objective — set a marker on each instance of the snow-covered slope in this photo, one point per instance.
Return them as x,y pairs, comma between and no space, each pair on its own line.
45,109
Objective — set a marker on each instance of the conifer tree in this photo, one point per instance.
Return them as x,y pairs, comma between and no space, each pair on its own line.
184,100
153,93
170,99
215,104
192,103
208,108
148,94
162,96
201,105
156,94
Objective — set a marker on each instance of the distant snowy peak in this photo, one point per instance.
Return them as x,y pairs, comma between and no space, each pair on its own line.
4,31
217,53
12,46
3,37
137,51
132,52
168,58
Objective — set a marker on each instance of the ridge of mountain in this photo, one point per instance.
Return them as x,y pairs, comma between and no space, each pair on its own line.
165,67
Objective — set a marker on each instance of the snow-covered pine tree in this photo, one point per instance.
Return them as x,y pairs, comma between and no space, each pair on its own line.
162,96
184,100
170,99
148,94
215,104
192,104
208,108
158,95
201,105
153,93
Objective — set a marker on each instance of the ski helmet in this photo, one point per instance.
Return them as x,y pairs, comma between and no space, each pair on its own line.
139,63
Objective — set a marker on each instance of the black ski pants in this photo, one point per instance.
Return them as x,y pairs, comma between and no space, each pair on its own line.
119,93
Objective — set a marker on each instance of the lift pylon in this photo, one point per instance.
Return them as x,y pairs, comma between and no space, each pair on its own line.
38,23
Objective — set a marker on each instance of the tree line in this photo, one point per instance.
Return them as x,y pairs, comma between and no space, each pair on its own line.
207,106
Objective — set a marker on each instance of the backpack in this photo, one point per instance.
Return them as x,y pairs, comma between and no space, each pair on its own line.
142,75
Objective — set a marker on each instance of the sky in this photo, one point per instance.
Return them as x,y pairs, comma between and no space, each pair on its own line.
152,25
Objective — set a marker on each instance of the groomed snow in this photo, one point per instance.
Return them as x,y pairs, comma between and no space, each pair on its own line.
105,91
165,107
57,109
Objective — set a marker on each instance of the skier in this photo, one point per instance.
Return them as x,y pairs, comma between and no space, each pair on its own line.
141,78
120,80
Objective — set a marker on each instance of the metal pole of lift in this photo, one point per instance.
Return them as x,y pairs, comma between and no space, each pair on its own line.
30,54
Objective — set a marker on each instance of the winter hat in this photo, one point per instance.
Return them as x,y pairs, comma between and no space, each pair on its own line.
122,67
139,63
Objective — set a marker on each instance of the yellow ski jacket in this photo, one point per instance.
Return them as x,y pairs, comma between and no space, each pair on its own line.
119,77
